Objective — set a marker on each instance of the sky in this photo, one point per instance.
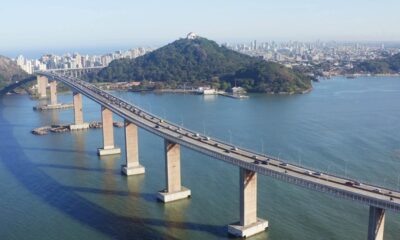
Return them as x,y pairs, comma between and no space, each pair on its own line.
28,26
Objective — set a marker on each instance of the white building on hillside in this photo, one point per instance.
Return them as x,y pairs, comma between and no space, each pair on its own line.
191,35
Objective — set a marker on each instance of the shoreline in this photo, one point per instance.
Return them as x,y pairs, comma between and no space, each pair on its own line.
219,92
362,75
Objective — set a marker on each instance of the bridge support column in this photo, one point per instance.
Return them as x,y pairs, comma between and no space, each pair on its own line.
174,190
108,134
78,113
132,166
42,82
249,223
376,224
53,94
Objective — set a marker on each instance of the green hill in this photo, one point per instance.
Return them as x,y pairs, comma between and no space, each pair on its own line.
380,66
272,78
201,61
10,72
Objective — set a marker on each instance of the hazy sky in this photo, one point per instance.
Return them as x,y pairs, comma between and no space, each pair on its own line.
79,24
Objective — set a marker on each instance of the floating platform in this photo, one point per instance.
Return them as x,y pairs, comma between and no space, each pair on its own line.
67,128
236,96
74,127
55,106
53,128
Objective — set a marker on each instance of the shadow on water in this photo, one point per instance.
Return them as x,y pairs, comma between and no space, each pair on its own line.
18,125
68,167
58,150
58,196
146,196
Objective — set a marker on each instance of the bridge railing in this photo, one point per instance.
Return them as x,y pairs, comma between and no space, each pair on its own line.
129,106
67,69
307,168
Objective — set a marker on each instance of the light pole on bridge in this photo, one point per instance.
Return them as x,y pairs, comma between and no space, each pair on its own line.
181,120
299,157
262,146
398,181
329,166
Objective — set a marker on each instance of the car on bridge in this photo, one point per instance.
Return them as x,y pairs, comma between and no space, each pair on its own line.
349,183
377,190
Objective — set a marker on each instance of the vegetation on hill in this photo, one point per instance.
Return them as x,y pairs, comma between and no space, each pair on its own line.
201,61
10,72
271,77
387,65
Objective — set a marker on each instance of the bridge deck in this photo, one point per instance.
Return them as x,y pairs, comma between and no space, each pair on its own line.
263,164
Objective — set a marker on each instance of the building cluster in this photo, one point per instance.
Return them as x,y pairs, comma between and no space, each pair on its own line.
334,57
294,53
72,61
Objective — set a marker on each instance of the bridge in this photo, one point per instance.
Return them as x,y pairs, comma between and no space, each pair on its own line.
16,84
76,72
249,163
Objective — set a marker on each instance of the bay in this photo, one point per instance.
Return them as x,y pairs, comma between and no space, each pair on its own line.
56,187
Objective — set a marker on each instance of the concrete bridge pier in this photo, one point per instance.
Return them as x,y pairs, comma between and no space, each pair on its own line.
174,190
42,82
53,94
376,224
132,166
78,113
108,134
249,223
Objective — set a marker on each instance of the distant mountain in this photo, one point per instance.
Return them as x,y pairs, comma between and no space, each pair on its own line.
10,72
197,60
387,65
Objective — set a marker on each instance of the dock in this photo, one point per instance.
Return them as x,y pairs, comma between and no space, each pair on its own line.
236,96
52,107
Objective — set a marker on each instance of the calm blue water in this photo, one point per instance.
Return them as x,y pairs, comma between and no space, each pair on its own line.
56,187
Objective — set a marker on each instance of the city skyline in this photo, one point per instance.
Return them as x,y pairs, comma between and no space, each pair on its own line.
338,56
43,26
